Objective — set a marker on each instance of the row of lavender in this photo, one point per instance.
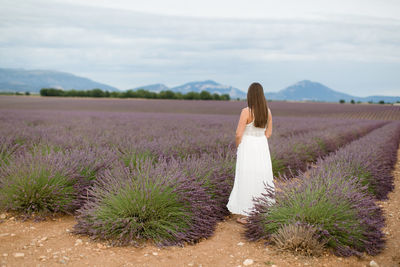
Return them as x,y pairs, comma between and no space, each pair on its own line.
292,155
156,132
278,108
295,141
176,169
332,204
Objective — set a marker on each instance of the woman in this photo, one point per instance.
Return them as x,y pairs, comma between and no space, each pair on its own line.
253,162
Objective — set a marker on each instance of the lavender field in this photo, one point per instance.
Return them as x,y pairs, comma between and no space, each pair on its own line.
297,109
137,170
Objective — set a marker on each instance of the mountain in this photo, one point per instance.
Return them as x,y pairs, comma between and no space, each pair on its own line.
210,86
22,80
157,87
301,91
377,98
308,90
198,86
314,91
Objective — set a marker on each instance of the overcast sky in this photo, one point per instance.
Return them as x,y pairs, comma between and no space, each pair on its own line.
350,46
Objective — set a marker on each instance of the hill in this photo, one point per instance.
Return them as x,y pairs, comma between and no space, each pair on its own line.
314,91
21,80
198,86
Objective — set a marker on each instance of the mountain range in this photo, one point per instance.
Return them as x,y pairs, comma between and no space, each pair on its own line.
20,80
313,91
305,90
208,85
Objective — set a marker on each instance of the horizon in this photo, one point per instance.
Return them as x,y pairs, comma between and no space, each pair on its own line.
199,81
351,48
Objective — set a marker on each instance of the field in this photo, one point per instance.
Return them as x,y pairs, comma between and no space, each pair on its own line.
145,183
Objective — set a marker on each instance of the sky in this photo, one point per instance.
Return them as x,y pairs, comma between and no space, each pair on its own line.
351,46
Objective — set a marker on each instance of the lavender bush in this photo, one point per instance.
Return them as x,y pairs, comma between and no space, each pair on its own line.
8,148
215,173
131,205
39,183
345,215
91,163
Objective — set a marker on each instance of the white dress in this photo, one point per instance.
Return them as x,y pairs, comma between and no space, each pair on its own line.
253,167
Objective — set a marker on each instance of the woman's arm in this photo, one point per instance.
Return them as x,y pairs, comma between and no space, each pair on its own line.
241,126
268,132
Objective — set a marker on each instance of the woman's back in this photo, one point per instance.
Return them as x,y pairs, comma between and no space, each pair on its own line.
253,131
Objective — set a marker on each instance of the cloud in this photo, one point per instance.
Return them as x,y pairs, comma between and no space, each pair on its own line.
129,48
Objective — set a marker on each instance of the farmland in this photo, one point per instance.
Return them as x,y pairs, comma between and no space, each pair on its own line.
155,175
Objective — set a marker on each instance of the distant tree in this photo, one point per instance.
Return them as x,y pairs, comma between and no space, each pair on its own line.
71,92
205,95
216,96
352,101
370,102
81,93
381,102
129,94
225,97
341,101
168,94
359,102
95,93
51,92
152,95
141,93
18,93
179,95
43,92
115,94
191,96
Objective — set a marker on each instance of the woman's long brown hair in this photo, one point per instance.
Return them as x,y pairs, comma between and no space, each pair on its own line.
258,104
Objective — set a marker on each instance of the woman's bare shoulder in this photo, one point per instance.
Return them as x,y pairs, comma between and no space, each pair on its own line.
245,110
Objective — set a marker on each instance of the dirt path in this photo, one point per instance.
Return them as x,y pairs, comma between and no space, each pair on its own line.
50,244
391,255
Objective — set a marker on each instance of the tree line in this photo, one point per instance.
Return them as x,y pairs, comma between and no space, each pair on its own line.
342,101
141,93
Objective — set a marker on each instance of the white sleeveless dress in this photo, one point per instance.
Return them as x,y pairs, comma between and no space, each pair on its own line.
253,167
